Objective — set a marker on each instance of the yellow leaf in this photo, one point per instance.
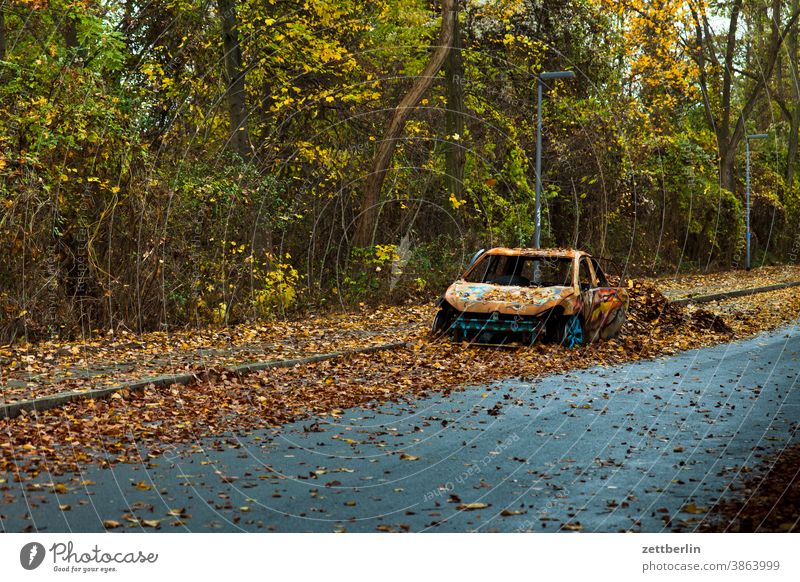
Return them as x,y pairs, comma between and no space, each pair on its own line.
694,509
472,506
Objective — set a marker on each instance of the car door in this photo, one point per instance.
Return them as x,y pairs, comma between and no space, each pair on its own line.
604,306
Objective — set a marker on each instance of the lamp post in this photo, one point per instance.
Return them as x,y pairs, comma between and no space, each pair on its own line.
747,193
537,232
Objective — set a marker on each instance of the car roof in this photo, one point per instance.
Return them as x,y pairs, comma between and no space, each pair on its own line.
526,252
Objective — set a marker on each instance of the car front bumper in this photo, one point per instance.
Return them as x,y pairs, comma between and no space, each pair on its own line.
495,322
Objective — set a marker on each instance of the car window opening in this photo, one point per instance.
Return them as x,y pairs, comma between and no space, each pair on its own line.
522,271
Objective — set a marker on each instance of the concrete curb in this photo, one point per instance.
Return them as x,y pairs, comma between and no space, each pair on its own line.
14,409
732,294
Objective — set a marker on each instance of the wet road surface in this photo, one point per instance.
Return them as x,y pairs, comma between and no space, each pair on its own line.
647,446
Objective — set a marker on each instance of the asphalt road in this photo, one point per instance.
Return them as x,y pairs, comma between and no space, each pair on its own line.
646,446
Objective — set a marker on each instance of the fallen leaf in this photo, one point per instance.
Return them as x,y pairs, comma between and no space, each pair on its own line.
472,506
694,509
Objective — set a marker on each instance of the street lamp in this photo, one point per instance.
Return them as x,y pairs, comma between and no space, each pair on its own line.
537,232
747,193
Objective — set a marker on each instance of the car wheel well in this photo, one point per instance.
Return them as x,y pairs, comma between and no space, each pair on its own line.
442,321
570,331
552,318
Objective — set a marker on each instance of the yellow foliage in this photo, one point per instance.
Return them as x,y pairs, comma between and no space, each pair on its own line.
455,202
278,281
652,32
386,253
218,315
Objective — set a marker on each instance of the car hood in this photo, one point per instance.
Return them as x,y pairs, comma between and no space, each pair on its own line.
509,299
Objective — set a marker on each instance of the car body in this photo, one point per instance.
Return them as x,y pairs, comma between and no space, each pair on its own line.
562,294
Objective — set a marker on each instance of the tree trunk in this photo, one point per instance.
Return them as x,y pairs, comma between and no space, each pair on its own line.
791,155
2,31
794,83
386,147
723,131
70,34
454,123
727,165
234,78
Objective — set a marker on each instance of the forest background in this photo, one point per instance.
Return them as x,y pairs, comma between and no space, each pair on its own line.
178,163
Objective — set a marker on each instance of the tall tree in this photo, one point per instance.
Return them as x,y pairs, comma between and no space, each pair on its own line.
793,113
234,78
718,73
386,147
2,30
787,96
454,121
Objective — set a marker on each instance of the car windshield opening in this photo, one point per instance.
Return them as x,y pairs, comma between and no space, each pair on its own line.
522,271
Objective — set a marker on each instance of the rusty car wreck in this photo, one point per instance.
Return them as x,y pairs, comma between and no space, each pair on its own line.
557,294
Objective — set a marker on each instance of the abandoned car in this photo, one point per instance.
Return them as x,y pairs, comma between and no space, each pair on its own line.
557,294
